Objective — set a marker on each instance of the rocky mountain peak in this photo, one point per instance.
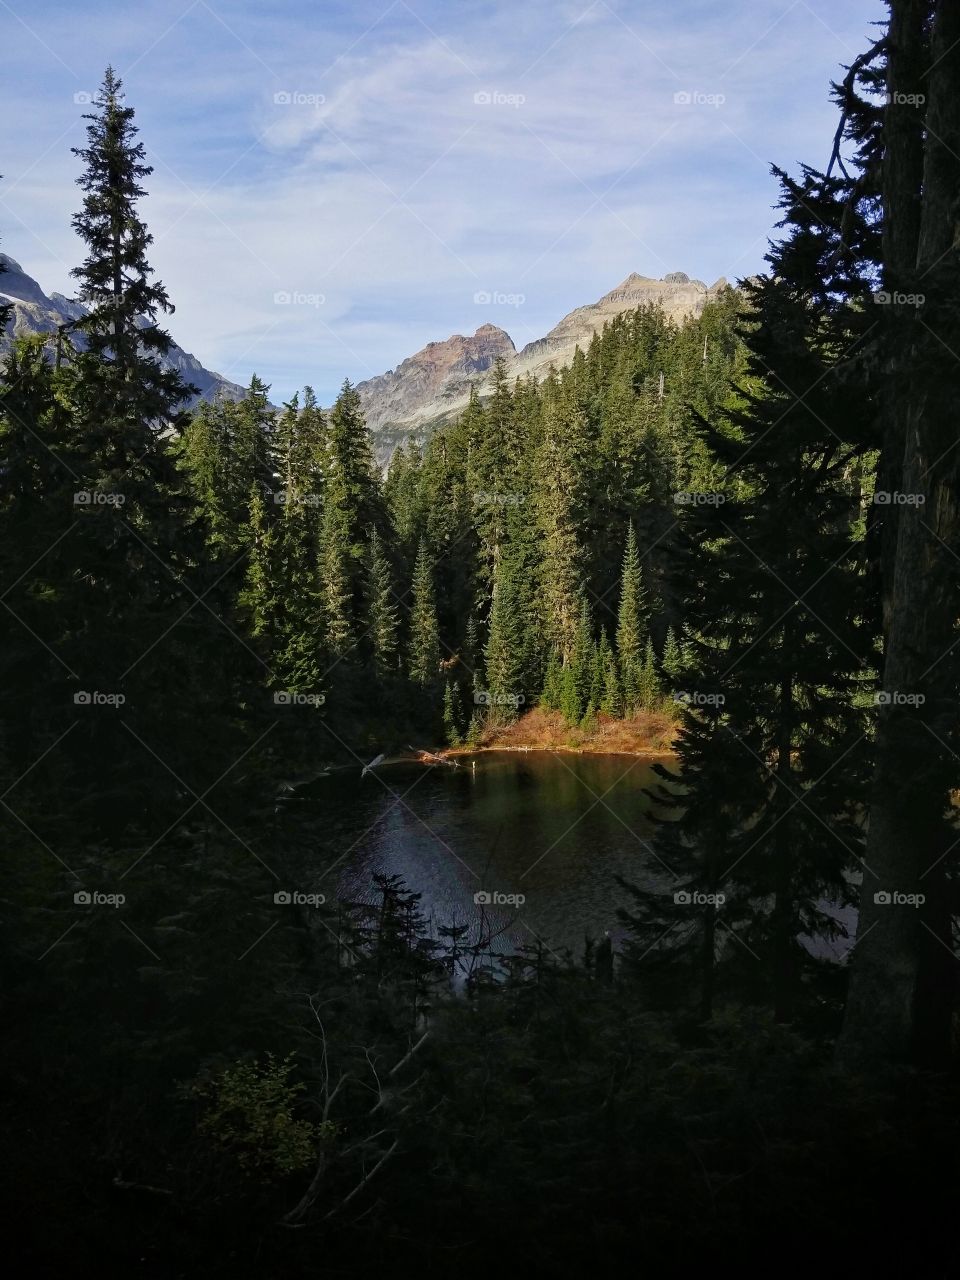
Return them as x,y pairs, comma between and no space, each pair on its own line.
37,312
434,384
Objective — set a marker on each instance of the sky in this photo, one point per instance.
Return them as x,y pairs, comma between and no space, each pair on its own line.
335,185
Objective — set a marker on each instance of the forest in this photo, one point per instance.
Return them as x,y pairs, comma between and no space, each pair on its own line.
735,535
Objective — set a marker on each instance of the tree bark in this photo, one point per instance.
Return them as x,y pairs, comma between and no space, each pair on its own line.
903,978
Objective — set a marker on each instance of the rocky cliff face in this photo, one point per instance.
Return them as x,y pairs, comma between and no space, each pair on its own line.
434,385
438,377
36,312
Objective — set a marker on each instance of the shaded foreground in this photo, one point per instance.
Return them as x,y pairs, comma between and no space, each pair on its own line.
326,1102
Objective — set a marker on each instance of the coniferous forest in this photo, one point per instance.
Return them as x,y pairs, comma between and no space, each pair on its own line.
730,541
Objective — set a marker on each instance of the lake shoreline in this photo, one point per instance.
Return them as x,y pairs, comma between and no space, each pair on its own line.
642,753
648,734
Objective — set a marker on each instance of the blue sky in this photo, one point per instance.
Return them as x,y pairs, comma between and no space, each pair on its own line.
383,163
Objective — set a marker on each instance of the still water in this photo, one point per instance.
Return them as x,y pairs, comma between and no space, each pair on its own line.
555,828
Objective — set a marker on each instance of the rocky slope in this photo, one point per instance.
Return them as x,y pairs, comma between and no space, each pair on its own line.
433,386
438,377
36,312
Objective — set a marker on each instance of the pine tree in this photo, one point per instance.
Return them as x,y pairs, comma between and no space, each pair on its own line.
138,559
561,506
648,685
335,583
424,643
612,701
631,623
672,659
121,337
381,611
504,657
452,713
262,594
579,674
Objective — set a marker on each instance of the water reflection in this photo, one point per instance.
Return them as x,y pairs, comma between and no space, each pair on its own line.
553,828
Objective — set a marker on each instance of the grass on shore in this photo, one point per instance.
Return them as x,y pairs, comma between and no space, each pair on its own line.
648,733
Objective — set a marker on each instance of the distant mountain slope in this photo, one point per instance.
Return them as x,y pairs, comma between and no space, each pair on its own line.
36,312
433,386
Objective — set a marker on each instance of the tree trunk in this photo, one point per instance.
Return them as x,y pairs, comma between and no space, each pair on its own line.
903,979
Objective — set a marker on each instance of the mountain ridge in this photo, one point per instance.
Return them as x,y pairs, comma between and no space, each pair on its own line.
434,383
37,312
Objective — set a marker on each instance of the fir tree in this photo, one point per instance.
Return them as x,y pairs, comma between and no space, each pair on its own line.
672,660
424,643
381,611
631,623
506,643
452,713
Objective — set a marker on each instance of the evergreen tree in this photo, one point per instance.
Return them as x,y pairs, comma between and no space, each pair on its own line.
504,657
648,684
452,713
381,611
631,623
672,660
424,643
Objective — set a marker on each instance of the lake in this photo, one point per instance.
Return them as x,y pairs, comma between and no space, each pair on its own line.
556,828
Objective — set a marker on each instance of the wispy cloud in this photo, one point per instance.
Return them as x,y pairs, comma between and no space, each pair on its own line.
397,158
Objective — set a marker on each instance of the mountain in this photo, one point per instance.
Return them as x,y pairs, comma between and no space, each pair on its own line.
36,312
432,386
